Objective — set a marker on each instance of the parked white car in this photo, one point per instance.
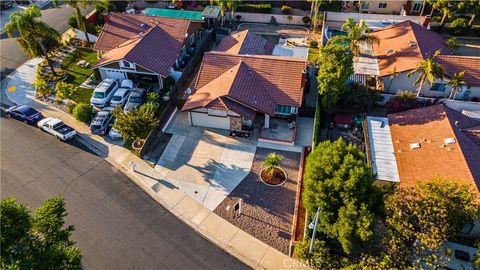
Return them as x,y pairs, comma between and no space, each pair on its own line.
127,84
120,97
57,128
104,92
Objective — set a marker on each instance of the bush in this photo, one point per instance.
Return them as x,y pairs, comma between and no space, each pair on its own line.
317,133
72,21
405,100
321,257
83,112
64,90
437,19
70,106
255,8
42,87
167,84
273,20
313,44
136,124
452,43
458,27
153,97
306,20
359,98
286,9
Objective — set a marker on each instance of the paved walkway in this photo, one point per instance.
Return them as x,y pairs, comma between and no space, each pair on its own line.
245,247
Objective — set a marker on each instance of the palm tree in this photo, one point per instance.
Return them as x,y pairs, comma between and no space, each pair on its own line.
393,74
36,37
456,82
272,161
427,70
222,4
356,34
232,6
75,5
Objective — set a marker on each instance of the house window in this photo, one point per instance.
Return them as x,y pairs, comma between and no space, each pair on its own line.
416,7
283,109
440,87
126,64
382,5
364,5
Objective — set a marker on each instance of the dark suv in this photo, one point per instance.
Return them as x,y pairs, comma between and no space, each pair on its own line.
101,122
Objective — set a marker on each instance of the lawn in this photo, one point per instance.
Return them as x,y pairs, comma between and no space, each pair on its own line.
77,75
313,54
82,95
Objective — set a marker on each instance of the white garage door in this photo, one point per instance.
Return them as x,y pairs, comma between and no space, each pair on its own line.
115,74
205,120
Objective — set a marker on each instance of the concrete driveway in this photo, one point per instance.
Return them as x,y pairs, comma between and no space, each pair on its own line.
204,163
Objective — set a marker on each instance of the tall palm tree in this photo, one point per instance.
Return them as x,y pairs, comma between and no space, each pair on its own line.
427,70
456,82
76,5
232,7
222,4
393,74
36,37
356,33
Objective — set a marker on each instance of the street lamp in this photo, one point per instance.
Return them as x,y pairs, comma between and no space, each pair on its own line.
315,225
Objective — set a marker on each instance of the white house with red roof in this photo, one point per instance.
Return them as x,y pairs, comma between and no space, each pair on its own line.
134,45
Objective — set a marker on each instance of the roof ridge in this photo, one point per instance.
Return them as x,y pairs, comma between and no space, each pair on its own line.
416,39
272,57
458,56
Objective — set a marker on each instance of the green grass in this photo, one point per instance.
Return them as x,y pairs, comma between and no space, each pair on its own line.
313,54
76,74
82,95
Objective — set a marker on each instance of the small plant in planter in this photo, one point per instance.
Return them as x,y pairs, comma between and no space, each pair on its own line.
273,174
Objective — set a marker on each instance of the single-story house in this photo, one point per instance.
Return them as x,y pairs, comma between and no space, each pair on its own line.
402,47
133,45
232,89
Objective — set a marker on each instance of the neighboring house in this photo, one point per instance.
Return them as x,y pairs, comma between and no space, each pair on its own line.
402,47
135,45
232,89
381,7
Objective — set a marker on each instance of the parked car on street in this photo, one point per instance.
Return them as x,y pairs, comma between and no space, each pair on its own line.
25,114
104,92
57,128
135,99
120,97
101,122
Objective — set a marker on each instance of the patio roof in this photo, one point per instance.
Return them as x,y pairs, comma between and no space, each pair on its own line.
211,12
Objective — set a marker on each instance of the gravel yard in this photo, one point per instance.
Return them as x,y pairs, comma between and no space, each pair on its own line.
267,211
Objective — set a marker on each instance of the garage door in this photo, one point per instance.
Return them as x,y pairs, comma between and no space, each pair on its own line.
205,120
115,74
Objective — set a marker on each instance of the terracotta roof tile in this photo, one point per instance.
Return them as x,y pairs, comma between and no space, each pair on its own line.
123,27
396,47
245,42
259,82
430,126
456,63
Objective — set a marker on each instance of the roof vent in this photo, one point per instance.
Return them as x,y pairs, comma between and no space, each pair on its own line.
449,140
389,51
143,25
412,44
415,146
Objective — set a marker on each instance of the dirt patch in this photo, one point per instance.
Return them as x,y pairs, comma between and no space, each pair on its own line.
267,211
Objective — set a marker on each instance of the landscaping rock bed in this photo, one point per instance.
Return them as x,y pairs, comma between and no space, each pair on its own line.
267,211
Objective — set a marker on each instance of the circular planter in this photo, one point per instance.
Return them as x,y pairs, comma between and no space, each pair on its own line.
277,178
137,145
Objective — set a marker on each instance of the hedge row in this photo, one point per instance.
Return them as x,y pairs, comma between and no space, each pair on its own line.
317,133
256,8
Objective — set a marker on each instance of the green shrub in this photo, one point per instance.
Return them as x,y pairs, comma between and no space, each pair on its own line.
256,8
72,21
306,20
458,27
42,87
70,106
153,97
167,84
317,133
286,9
64,90
313,44
452,43
83,112
437,19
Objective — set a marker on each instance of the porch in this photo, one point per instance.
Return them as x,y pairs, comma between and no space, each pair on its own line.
278,130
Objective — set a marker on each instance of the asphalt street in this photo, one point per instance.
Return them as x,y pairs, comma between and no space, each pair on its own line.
117,225
12,56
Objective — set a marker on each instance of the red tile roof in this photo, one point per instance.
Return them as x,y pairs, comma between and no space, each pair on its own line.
456,63
144,50
122,27
258,82
404,45
430,126
245,42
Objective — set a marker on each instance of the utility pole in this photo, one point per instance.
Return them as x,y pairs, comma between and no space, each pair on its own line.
315,225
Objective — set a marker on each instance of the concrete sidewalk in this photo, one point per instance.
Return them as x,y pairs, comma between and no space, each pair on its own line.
245,247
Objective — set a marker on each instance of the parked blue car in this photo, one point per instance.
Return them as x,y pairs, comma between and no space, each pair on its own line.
25,114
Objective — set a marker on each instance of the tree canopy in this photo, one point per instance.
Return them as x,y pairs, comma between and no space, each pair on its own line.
37,239
338,180
336,66
420,219
359,98
136,124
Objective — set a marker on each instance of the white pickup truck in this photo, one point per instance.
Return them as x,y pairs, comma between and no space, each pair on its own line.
57,128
